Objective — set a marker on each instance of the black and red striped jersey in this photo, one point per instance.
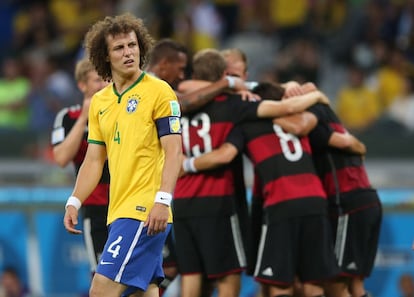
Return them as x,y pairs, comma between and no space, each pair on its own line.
211,192
283,165
341,172
64,121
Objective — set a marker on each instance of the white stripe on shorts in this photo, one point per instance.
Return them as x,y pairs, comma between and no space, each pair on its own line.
128,255
260,250
341,232
237,238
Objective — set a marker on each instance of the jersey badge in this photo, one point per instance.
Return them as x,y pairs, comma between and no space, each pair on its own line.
175,126
175,108
132,105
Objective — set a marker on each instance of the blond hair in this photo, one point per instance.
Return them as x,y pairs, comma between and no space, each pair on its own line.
82,68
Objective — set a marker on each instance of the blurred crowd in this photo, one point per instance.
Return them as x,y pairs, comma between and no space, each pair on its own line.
360,52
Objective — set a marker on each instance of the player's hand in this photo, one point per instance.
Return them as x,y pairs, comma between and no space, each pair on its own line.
70,220
323,98
308,87
249,96
157,220
292,89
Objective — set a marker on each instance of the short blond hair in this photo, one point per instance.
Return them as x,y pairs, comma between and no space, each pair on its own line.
235,54
208,64
82,68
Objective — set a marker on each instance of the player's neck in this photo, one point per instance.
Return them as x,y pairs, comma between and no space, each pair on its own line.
123,82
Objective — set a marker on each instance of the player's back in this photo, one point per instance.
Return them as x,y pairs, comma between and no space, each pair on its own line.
338,169
284,166
210,192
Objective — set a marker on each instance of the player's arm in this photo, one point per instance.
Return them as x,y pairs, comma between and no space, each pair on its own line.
272,109
299,124
158,217
348,142
172,147
193,94
88,177
65,151
218,157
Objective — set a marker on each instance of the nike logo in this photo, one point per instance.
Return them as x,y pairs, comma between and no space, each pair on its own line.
102,111
106,263
163,198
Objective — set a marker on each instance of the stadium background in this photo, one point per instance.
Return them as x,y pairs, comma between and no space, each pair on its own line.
303,40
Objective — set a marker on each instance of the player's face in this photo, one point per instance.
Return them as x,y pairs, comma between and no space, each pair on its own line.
123,54
175,71
93,83
236,68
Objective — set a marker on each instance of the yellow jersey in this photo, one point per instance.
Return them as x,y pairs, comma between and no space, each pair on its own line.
127,125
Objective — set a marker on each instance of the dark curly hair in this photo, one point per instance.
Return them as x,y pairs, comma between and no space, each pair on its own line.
97,47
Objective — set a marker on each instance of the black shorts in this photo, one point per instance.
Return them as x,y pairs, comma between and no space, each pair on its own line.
95,231
301,247
168,252
211,246
356,243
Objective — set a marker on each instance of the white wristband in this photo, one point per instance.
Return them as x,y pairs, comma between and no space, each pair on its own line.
75,202
250,85
231,80
163,197
188,165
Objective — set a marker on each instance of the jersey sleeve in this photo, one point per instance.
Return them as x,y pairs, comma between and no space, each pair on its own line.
64,121
59,131
242,111
319,136
167,113
236,138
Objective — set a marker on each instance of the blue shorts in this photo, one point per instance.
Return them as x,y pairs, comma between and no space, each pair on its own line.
131,257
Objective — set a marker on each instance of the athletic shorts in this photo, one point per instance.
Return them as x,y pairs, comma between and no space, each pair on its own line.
300,246
211,246
168,252
95,231
356,240
131,257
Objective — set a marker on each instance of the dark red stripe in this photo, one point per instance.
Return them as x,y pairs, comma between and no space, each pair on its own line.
99,196
338,127
293,187
202,185
266,146
218,133
349,178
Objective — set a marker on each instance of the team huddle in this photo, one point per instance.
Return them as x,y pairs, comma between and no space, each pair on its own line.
175,151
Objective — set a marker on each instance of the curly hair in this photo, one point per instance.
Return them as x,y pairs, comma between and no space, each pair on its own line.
97,47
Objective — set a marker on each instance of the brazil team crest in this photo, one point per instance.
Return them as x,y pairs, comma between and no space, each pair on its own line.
132,105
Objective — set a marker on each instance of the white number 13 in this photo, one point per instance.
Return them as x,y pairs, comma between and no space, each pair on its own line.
203,124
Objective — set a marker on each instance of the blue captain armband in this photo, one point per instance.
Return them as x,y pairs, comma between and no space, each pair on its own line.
168,125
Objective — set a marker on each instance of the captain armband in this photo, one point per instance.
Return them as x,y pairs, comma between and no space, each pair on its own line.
168,125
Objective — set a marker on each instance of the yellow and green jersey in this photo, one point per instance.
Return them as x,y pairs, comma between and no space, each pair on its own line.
129,125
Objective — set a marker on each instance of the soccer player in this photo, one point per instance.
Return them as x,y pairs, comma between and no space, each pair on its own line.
134,123
206,224
69,140
294,203
168,61
355,207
